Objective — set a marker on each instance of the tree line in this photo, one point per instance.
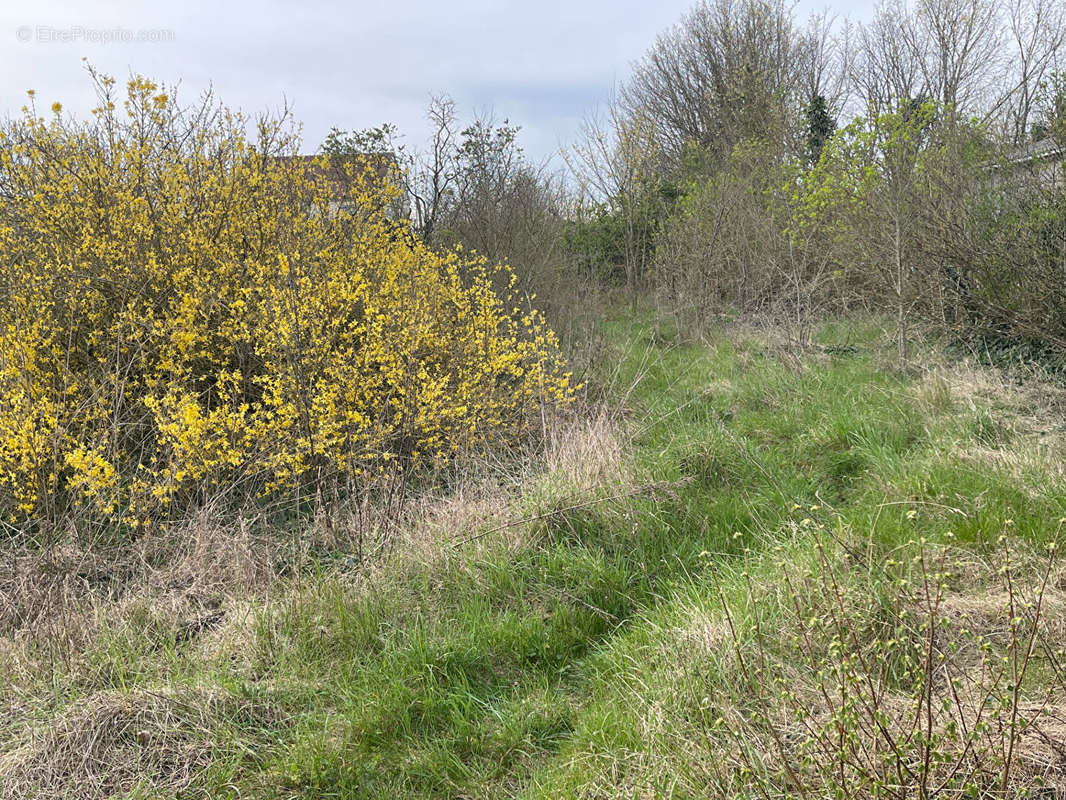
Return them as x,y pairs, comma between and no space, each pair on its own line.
755,163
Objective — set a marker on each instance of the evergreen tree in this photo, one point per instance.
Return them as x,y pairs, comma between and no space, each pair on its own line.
820,126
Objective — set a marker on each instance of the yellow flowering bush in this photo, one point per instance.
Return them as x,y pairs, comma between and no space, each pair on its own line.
184,312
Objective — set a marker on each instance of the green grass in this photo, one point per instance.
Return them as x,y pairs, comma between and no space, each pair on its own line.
578,658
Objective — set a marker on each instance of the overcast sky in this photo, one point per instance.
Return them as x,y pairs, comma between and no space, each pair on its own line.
542,64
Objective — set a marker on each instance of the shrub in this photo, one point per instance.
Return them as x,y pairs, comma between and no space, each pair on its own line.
894,678
1007,256
741,243
183,313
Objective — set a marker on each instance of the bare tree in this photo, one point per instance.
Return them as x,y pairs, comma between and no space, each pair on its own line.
615,162
983,58
823,63
728,71
1037,36
430,181
887,68
427,177
958,44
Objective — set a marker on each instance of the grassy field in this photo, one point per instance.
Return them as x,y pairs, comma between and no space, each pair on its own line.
742,568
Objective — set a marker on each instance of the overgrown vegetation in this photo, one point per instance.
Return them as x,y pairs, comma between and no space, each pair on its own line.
188,317
300,500
668,605
914,162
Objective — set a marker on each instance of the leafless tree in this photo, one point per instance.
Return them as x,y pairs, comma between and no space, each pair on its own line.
1037,36
615,162
983,58
958,45
887,67
427,177
431,174
823,63
726,72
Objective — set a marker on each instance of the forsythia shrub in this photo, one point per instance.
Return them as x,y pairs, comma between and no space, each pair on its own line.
184,313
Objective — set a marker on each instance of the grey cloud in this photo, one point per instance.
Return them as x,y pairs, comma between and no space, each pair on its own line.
541,64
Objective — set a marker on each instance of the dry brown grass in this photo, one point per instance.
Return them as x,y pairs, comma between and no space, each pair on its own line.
1031,403
589,453
1019,423
204,592
55,603
116,742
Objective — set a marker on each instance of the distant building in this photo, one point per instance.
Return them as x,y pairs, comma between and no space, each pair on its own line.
1043,160
381,167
